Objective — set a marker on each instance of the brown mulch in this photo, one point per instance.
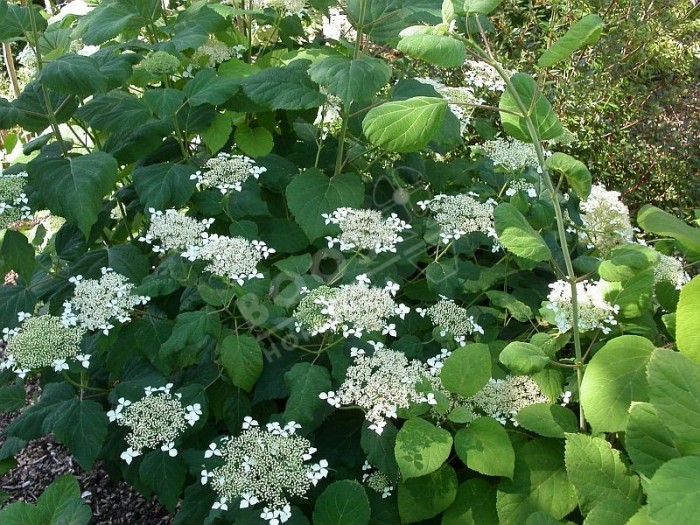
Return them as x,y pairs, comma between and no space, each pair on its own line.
43,460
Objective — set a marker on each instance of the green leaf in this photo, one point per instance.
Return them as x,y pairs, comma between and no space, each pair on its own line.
165,475
16,254
404,125
36,420
165,102
380,449
427,496
626,262
575,171
105,22
305,382
219,131
421,448
209,88
615,377
383,20
254,142
286,87
547,420
484,447
475,504
597,472
539,484
480,7
31,109
688,321
15,299
523,358
12,398
674,390
17,22
20,513
189,336
73,74
352,80
583,33
116,112
440,50
282,235
467,370
165,185
75,187
311,193
612,512
82,428
342,503
653,220
519,310
540,110
648,442
60,503
674,491
516,234
241,357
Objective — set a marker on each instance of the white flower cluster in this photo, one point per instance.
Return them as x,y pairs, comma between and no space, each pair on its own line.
382,383
27,57
377,480
606,220
329,118
336,26
288,7
39,342
594,311
502,399
452,319
459,215
671,270
227,172
234,258
158,418
365,230
517,185
459,100
482,75
13,200
97,303
174,230
351,308
264,466
510,153
217,52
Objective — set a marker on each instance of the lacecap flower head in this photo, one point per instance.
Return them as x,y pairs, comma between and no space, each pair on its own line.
13,199
228,172
172,230
365,230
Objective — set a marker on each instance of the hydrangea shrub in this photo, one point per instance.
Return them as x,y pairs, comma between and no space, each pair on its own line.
277,286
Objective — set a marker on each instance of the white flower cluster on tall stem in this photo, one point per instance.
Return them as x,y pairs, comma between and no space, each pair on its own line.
352,309
174,230
482,75
13,200
517,185
365,230
502,399
234,258
377,480
40,342
594,311
97,303
460,215
452,319
336,26
227,172
510,153
264,466
670,269
380,384
329,118
217,52
606,220
158,418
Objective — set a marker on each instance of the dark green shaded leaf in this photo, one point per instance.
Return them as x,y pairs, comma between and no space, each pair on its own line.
163,186
242,358
284,88
165,475
427,496
352,80
82,428
342,503
305,382
516,234
73,74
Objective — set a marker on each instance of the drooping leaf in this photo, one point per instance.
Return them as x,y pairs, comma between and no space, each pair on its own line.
164,185
484,446
427,496
242,358
404,125
82,428
584,32
286,87
305,382
597,472
481,7
467,370
74,74
421,448
13,300
523,358
544,119
190,335
352,80
614,379
165,475
254,142
16,254
437,49
575,171
116,112
106,21
17,21
311,193
519,310
12,398
209,88
663,224
344,502
380,448
75,187
516,234
547,420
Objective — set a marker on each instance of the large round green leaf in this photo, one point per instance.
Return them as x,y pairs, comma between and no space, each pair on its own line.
484,446
674,491
523,358
427,496
421,448
516,234
342,503
467,370
353,80
615,377
547,420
